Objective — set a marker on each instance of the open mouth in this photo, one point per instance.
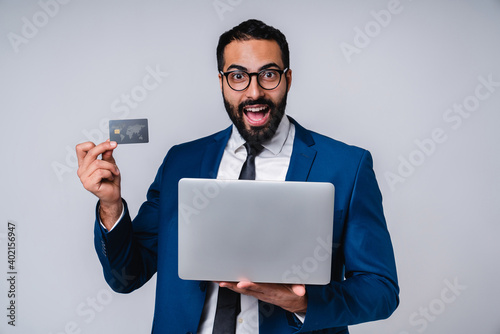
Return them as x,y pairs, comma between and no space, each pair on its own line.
257,114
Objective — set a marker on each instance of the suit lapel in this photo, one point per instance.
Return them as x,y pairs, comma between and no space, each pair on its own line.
303,154
301,161
213,154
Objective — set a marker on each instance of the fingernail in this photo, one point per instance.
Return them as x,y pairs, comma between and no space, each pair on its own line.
112,143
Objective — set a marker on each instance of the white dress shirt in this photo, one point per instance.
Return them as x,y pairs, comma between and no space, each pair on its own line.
271,164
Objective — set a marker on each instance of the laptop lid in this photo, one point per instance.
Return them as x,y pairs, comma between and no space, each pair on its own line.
259,231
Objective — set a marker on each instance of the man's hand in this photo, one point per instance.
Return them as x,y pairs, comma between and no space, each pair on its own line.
290,297
101,177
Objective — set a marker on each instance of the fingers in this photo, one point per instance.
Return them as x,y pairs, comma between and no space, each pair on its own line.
99,176
101,168
291,297
88,152
299,289
96,179
108,155
246,285
82,149
101,164
97,171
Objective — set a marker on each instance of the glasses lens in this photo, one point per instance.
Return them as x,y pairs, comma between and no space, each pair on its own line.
269,79
238,80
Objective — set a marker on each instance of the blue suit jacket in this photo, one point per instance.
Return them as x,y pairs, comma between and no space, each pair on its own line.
134,251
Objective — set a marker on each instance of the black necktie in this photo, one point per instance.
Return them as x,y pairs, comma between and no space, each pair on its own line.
248,169
228,301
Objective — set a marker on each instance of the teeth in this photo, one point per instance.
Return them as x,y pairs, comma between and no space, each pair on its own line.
258,109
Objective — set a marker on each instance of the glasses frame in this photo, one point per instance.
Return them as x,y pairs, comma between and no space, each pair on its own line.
281,72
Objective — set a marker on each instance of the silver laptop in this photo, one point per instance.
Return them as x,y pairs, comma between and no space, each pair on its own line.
258,231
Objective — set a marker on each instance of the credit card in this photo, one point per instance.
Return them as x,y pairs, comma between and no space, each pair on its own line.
129,131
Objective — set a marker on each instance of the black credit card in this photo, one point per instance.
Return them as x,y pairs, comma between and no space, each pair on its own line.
129,131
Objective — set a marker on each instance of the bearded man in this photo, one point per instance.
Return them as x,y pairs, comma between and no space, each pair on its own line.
255,77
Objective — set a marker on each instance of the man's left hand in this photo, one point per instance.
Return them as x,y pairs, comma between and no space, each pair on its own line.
290,297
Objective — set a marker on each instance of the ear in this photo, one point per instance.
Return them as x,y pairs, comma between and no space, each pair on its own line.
288,76
220,81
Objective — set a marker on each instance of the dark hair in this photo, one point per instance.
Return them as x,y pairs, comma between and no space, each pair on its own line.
252,29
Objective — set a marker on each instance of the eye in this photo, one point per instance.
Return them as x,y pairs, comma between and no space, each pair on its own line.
269,75
237,76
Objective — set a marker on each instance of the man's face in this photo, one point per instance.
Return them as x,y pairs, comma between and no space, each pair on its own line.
255,111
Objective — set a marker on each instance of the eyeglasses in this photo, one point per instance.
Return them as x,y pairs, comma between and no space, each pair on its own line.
240,80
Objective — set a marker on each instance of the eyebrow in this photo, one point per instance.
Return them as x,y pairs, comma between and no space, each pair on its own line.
243,68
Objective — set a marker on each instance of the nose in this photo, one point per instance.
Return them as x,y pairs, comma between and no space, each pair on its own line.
254,91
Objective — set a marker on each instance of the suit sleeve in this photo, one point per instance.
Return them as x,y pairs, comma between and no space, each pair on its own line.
128,253
370,289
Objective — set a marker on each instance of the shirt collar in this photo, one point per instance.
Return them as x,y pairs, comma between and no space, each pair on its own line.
274,145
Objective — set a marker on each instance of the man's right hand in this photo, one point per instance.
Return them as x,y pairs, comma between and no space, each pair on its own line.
102,178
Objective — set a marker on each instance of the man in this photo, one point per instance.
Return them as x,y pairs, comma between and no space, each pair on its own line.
254,76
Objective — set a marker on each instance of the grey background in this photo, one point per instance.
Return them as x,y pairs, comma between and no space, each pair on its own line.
63,81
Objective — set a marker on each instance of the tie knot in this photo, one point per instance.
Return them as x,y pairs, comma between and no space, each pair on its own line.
253,149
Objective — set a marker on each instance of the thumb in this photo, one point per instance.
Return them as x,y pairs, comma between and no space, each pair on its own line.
299,289
108,155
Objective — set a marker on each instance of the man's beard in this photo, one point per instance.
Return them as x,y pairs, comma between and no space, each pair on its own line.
257,134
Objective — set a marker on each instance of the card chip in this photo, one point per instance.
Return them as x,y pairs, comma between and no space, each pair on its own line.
129,131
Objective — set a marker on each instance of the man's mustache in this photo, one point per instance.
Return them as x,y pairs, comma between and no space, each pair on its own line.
253,102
